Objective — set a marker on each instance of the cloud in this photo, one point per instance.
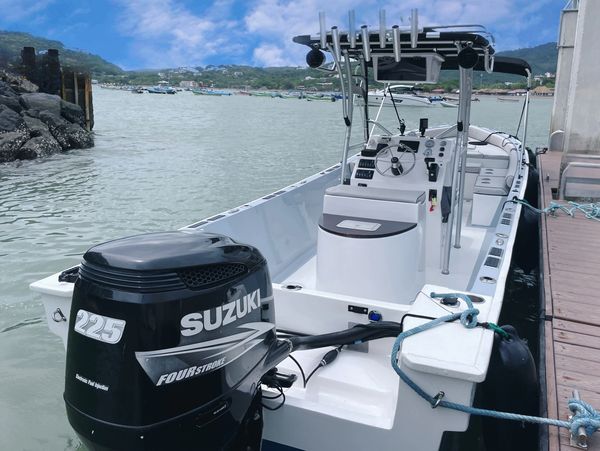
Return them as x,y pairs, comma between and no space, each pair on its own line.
13,11
271,55
165,33
275,22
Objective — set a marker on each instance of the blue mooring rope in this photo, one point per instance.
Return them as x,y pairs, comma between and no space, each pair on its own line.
590,210
584,415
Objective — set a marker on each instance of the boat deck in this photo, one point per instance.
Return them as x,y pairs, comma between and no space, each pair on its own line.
570,264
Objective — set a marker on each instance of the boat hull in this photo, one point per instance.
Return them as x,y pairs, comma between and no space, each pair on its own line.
359,402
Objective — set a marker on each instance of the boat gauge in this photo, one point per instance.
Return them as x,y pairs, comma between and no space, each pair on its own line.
429,143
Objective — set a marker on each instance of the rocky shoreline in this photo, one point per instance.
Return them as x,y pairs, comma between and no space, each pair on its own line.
34,124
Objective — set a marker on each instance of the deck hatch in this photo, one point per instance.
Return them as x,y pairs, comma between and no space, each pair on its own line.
492,262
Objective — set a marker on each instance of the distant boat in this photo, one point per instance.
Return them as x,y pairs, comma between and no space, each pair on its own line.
326,97
161,90
210,92
262,94
402,95
138,91
448,104
507,99
455,99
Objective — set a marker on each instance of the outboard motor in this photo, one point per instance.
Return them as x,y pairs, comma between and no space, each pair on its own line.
171,335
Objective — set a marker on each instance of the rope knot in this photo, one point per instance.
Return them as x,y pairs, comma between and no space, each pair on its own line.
583,415
468,317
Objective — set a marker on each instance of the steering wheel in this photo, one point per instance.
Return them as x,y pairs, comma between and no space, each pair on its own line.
394,165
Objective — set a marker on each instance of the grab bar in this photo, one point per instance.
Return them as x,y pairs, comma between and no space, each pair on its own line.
576,164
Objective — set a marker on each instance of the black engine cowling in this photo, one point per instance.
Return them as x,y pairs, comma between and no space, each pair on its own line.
170,335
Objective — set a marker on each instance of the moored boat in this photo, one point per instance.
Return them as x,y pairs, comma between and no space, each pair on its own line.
210,92
449,104
280,316
161,90
399,95
321,97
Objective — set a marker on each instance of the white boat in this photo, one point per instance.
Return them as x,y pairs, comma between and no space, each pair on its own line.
399,95
507,99
448,104
364,243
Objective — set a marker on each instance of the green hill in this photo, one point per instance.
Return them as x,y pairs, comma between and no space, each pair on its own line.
11,44
542,58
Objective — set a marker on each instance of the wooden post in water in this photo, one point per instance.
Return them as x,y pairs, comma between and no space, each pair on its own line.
70,85
50,77
28,64
77,88
87,98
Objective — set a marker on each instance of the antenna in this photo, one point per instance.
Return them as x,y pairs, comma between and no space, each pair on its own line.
396,42
382,29
352,28
323,29
414,27
364,32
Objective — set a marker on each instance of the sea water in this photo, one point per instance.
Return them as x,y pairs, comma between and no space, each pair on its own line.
160,162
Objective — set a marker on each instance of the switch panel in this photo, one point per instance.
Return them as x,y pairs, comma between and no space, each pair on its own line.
364,174
368,164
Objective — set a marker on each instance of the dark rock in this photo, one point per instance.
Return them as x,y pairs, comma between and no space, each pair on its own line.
79,138
39,146
72,112
41,101
57,126
31,113
36,124
7,91
36,127
11,102
10,121
17,82
10,143
69,136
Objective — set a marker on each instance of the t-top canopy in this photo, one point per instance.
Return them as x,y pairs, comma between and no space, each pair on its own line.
428,41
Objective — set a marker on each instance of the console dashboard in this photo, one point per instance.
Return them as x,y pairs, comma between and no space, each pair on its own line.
431,158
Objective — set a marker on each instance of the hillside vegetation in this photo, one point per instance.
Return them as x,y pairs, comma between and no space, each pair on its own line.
542,58
11,44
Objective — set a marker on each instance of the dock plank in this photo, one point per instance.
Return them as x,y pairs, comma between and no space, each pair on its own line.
576,311
581,381
576,327
575,338
580,352
570,267
548,179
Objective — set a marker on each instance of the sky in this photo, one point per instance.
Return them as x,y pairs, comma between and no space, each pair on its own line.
137,34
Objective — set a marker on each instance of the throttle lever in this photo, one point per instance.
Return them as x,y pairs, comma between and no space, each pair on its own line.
397,168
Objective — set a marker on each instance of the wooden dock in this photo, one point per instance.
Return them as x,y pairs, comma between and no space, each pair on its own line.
571,290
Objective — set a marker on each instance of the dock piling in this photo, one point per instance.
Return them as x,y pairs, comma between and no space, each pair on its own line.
71,85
